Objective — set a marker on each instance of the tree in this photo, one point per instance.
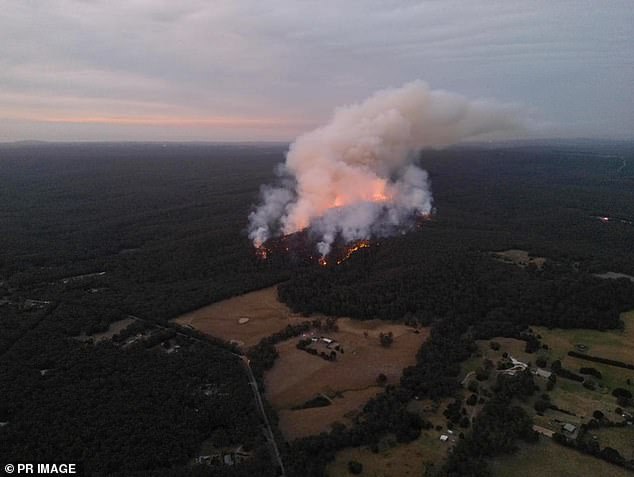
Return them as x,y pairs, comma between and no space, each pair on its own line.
355,467
381,379
386,339
541,405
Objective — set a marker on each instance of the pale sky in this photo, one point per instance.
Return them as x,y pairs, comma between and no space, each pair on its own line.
268,70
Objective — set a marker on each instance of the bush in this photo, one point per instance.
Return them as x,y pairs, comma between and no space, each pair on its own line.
620,392
590,384
355,467
541,405
591,372
386,339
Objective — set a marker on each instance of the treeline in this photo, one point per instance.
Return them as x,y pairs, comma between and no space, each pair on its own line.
586,443
427,275
598,359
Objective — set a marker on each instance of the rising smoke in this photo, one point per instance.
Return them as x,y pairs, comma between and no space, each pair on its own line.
355,177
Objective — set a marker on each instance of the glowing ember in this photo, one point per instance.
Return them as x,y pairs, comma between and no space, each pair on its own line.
323,262
262,252
358,246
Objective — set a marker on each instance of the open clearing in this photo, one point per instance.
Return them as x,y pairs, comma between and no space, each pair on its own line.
548,458
618,345
614,276
226,319
401,460
298,376
312,421
520,258
619,438
112,330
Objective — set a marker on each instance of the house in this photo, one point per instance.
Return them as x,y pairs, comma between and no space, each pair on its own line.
542,373
570,428
444,438
326,340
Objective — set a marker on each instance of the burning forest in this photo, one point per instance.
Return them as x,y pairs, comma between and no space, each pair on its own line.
356,178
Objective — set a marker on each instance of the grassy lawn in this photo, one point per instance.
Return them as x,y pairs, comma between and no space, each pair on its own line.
549,459
401,460
618,345
568,394
619,438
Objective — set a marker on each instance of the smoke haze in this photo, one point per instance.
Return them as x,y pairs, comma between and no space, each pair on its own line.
355,177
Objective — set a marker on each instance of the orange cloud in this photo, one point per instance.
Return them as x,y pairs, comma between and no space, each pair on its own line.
214,121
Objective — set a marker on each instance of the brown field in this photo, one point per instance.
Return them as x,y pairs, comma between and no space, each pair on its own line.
547,458
312,421
619,438
402,460
265,313
298,376
520,258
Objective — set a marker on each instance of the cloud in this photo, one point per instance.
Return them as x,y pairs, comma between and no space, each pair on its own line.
299,59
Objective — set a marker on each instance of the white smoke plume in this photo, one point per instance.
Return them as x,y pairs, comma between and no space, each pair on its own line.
355,178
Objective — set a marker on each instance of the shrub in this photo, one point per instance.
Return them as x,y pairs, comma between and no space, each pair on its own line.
355,467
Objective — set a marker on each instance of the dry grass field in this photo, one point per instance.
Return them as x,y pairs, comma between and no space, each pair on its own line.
350,381
312,421
402,460
520,258
265,314
547,458
298,376
618,345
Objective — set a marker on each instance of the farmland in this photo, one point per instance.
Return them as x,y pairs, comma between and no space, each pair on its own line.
244,319
349,381
548,458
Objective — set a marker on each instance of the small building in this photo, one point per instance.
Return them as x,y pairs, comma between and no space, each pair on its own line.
444,438
570,428
542,373
227,459
327,340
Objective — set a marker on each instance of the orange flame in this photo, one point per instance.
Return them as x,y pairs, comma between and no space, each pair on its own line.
322,261
354,248
377,191
262,252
